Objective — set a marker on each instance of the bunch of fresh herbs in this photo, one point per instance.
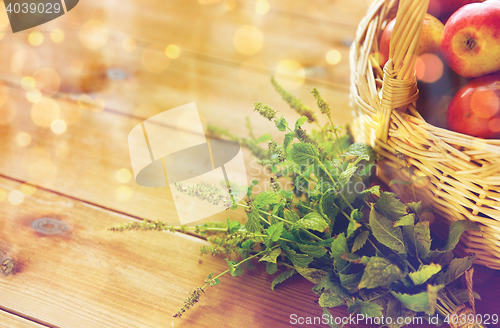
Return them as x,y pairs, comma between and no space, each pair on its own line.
361,246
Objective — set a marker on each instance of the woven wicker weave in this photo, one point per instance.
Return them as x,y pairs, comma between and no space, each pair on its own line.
463,172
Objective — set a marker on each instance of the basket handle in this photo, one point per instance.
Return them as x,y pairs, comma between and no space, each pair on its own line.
399,87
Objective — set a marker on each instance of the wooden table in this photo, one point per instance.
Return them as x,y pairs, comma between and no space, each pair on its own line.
100,70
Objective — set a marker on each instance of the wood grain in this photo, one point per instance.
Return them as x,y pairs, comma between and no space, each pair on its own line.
210,36
91,277
8,320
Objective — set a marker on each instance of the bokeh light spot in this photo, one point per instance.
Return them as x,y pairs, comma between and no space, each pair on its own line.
123,175
248,40
429,68
295,72
153,58
58,126
16,197
33,95
44,112
333,57
28,189
57,35
3,195
28,82
129,44
35,38
484,103
494,124
262,7
172,51
85,101
97,105
23,139
93,34
123,193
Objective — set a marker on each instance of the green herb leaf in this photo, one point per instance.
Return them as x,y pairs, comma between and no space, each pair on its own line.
298,260
379,272
331,283
375,190
312,221
291,216
253,222
385,232
327,314
312,250
301,121
266,198
232,226
367,309
346,176
281,124
361,151
311,274
421,302
248,244
395,309
407,220
415,207
423,238
339,246
263,138
456,268
271,256
288,140
360,241
390,206
355,217
325,205
234,269
274,231
329,299
304,153
282,277
271,268
249,265
351,281
424,273
456,230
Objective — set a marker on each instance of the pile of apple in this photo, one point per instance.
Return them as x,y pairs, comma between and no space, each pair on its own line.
469,43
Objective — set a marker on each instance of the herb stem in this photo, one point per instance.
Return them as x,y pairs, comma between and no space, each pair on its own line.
240,263
331,178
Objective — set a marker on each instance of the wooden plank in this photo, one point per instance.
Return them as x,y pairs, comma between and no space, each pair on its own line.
211,36
9,320
88,276
91,277
96,143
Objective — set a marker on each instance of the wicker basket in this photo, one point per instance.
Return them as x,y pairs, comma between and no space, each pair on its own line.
463,172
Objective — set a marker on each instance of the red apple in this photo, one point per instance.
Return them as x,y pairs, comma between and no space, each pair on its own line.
430,37
471,40
475,108
442,9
